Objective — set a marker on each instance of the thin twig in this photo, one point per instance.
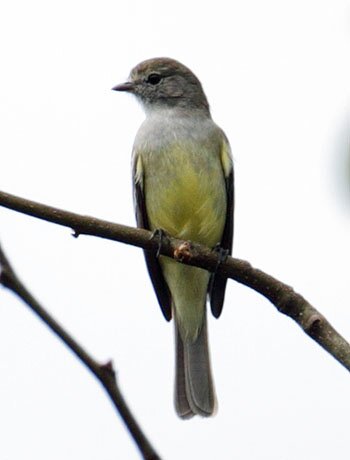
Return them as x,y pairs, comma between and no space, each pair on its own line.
104,372
281,295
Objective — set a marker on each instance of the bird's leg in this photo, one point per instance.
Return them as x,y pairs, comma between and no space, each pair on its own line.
160,235
222,253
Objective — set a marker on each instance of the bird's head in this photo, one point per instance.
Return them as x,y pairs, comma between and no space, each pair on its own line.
165,83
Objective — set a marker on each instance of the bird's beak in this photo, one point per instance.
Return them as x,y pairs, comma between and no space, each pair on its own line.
127,86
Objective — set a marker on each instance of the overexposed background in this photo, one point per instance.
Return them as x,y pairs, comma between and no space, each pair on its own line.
277,76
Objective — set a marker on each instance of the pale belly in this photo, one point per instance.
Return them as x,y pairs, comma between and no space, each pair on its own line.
187,197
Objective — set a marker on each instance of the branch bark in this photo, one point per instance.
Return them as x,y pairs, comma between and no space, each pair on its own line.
103,372
285,299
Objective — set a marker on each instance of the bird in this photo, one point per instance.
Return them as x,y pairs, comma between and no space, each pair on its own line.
183,185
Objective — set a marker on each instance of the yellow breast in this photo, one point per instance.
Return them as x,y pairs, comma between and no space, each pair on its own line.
185,195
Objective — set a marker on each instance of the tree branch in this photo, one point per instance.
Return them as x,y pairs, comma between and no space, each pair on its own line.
103,372
282,296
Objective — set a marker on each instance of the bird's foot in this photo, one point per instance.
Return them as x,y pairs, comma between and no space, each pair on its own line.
222,253
160,235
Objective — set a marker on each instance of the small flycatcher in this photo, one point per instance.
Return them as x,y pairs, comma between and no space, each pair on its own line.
183,184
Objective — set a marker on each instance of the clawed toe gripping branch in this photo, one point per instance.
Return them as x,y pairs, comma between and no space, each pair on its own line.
285,299
160,236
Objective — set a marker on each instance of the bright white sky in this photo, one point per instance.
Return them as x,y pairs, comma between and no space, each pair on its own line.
277,76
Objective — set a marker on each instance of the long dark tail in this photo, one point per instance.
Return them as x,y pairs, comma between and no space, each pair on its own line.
194,389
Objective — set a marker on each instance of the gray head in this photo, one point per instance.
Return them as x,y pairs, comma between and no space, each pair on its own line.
164,82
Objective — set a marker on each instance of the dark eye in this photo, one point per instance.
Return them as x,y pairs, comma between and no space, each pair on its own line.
153,78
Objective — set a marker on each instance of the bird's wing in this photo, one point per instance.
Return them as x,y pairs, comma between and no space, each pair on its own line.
217,286
159,284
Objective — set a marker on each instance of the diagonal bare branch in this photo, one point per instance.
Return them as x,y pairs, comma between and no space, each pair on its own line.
285,299
103,372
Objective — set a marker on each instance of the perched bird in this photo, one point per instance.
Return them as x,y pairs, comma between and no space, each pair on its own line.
183,185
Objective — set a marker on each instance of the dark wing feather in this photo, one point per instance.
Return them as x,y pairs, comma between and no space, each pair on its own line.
217,284
155,272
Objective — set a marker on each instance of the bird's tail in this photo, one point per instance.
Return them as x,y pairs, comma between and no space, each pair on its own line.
194,389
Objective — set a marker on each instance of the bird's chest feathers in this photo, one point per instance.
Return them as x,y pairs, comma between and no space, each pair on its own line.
183,184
